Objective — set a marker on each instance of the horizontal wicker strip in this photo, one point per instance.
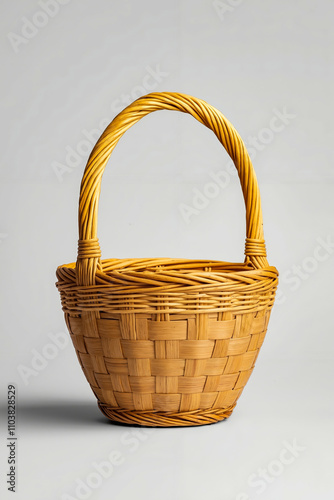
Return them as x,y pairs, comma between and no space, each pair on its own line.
167,342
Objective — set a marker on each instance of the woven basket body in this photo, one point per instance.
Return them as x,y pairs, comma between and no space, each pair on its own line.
166,342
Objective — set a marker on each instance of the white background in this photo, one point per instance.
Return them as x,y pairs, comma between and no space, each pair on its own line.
77,70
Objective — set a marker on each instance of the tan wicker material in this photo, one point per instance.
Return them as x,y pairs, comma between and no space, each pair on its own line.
167,342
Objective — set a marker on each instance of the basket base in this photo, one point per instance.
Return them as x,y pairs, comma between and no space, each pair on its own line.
166,419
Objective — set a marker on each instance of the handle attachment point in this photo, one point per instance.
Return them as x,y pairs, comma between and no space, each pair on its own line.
89,248
255,247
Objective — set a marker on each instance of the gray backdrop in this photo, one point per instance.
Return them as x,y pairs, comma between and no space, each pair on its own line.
68,67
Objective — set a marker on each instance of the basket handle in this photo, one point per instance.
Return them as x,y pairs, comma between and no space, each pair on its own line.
89,253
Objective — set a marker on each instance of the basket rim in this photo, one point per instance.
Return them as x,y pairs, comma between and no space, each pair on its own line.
170,291
157,272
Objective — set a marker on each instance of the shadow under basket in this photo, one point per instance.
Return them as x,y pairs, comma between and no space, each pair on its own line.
167,342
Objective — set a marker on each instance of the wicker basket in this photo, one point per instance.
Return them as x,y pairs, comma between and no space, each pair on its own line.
167,342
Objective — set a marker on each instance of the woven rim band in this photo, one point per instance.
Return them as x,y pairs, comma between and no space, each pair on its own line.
89,249
255,247
166,419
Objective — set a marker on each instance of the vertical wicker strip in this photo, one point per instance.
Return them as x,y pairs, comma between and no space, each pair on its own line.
166,342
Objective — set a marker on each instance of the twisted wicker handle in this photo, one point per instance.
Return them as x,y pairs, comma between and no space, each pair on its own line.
89,251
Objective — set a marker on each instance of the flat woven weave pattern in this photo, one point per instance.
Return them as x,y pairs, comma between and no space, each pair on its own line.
166,342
